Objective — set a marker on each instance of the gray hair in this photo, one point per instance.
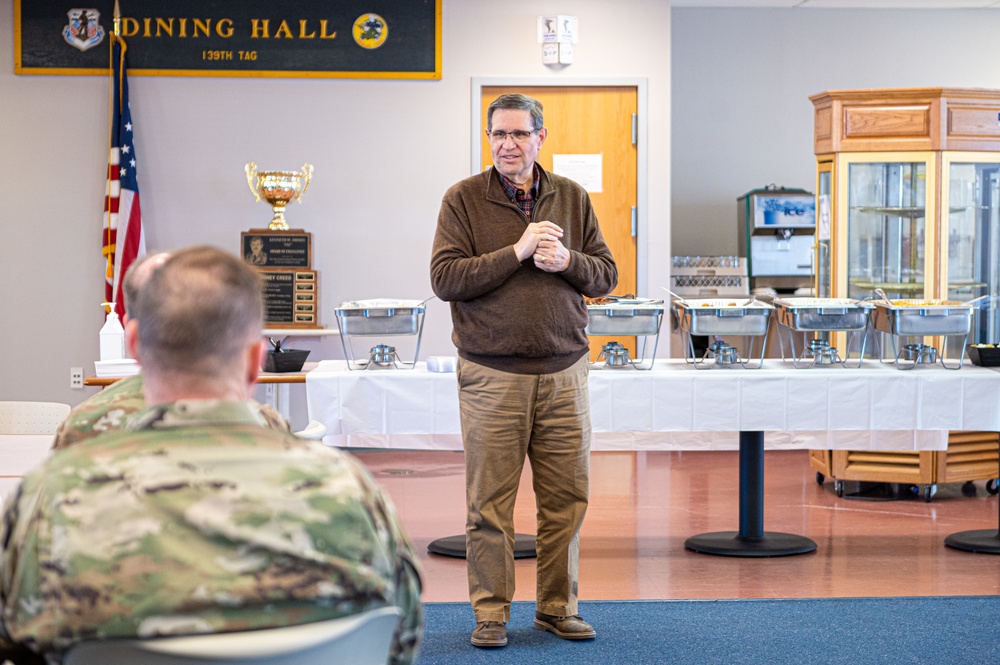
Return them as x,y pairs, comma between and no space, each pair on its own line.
517,102
198,312
136,277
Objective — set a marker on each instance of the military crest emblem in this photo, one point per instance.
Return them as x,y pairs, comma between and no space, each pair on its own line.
84,29
370,31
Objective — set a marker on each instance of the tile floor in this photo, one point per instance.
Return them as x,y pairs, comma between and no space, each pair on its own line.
645,504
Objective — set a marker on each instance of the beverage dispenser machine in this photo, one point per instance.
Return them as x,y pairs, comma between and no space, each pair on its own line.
777,228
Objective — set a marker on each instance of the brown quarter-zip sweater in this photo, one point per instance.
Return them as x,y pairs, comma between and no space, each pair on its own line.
510,315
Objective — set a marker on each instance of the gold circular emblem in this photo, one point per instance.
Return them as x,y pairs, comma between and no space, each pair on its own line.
370,31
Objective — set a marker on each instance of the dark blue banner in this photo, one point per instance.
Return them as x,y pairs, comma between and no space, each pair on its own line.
281,38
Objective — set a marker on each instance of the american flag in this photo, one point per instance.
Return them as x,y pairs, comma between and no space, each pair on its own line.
123,238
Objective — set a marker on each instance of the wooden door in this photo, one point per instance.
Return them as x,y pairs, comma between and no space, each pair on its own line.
592,120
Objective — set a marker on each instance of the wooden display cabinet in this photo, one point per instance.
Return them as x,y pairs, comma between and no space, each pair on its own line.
908,203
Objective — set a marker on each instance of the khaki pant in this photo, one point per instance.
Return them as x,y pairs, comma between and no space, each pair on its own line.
505,417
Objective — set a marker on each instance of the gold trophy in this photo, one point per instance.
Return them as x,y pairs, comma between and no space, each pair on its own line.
278,188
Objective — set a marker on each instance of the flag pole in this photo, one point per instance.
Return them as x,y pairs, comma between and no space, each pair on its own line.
108,251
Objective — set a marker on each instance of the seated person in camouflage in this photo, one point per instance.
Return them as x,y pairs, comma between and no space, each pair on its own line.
107,410
195,518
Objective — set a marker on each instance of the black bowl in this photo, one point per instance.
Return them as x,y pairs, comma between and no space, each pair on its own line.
286,360
985,356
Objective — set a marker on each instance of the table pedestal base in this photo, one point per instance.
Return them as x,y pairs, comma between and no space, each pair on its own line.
751,540
980,541
731,543
524,546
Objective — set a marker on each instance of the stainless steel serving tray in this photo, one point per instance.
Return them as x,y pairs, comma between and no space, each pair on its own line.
723,316
638,317
821,314
922,317
381,316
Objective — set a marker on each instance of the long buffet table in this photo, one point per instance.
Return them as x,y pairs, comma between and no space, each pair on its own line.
677,406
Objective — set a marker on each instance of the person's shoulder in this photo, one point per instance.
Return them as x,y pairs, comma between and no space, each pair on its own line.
272,418
560,183
478,182
246,444
128,386
103,412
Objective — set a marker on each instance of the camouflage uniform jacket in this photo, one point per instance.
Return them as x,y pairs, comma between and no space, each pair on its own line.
107,410
196,519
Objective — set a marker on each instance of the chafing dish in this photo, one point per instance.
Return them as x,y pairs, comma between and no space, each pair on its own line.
640,317
380,317
625,317
821,314
922,317
723,316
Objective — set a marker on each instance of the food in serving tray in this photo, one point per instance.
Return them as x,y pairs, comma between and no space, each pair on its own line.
610,299
926,303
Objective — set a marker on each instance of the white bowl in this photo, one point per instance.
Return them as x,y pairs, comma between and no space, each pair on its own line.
442,363
109,368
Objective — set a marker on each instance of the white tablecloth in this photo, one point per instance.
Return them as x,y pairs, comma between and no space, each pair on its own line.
675,406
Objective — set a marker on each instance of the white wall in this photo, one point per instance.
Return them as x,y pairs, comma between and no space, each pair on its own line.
742,78
384,152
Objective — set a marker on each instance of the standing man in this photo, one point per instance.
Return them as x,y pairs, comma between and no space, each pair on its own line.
195,517
516,250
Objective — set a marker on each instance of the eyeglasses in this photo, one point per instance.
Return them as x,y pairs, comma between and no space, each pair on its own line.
518,135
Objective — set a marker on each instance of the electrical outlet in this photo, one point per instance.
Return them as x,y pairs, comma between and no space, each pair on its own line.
76,378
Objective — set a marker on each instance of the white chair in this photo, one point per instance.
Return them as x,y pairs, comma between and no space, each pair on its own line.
26,430
362,639
32,417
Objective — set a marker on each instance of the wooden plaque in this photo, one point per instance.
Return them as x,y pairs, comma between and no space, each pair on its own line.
264,248
291,298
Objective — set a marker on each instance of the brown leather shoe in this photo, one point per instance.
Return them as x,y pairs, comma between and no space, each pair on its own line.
490,634
568,628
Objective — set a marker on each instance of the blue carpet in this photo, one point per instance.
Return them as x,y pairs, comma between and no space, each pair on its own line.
952,630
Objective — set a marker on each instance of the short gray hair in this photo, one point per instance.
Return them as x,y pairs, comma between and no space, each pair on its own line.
198,312
136,277
517,102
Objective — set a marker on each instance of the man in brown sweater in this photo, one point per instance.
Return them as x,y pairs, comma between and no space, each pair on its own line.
516,250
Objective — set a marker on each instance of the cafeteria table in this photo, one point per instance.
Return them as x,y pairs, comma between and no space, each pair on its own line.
674,406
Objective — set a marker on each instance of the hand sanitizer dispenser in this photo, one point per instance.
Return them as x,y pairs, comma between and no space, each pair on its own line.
112,336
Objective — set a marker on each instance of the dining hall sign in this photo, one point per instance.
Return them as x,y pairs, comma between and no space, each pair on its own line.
305,38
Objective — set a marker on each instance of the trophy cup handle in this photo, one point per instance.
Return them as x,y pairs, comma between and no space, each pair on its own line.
307,174
251,170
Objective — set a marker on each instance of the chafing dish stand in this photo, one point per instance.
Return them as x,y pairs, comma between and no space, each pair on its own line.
821,316
379,318
641,318
921,320
723,316
751,540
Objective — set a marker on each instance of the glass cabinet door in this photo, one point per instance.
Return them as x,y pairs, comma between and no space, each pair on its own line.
824,198
971,233
887,229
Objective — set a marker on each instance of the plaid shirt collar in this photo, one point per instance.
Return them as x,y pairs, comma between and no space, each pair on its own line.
525,200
